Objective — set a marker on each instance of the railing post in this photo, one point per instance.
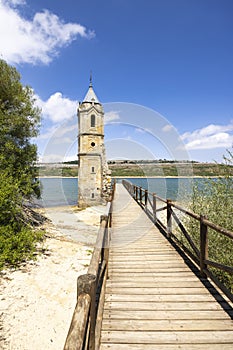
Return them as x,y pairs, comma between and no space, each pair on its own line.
203,245
146,198
154,207
136,193
106,245
87,285
140,194
131,189
169,218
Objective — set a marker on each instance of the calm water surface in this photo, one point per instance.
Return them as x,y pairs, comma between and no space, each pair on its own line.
64,191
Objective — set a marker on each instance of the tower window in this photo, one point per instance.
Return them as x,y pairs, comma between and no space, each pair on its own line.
92,195
92,120
92,169
93,144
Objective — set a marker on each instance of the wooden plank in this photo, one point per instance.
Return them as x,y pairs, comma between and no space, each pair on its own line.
158,290
165,247
148,256
139,252
160,274
151,278
151,283
157,306
162,337
142,253
151,269
167,314
165,325
158,261
163,297
157,264
120,346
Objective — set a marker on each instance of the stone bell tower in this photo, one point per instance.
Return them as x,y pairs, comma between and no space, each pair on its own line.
92,171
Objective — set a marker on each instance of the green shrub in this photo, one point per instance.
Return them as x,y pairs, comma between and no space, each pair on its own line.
214,199
18,245
18,239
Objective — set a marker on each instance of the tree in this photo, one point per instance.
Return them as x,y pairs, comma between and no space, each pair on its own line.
19,122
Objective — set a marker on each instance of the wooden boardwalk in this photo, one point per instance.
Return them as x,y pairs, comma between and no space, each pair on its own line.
154,297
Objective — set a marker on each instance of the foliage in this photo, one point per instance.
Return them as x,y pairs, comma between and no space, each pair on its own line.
17,246
214,199
19,122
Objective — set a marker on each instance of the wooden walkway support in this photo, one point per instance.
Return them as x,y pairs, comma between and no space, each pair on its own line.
155,298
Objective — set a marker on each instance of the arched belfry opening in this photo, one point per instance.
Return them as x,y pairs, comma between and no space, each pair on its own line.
93,174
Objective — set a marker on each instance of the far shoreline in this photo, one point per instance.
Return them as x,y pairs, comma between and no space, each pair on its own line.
135,177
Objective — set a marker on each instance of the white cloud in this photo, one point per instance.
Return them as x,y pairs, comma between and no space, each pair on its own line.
209,137
35,41
57,108
16,2
110,116
168,128
55,158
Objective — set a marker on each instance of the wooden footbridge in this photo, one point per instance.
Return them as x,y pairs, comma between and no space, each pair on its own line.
142,291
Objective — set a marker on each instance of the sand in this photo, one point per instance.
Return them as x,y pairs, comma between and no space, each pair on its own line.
37,301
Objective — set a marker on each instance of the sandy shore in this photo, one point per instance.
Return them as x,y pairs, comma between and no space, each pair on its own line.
37,300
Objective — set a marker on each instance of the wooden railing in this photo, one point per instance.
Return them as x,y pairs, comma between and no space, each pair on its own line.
84,332
149,202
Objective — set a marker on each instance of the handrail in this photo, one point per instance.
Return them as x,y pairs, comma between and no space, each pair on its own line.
199,255
87,317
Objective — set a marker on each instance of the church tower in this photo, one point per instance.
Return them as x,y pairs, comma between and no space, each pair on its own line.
92,169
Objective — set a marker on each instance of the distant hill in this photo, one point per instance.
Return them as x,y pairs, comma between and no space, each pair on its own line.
167,169
139,168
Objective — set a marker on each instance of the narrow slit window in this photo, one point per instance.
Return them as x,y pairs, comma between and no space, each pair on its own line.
92,195
92,169
92,120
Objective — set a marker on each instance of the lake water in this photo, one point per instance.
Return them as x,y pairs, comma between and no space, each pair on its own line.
64,191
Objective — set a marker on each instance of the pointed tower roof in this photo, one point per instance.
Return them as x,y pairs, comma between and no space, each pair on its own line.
90,95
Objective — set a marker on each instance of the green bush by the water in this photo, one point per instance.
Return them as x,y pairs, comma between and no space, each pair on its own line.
18,239
214,199
18,245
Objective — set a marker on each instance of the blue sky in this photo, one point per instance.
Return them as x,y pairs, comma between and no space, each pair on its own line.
173,57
